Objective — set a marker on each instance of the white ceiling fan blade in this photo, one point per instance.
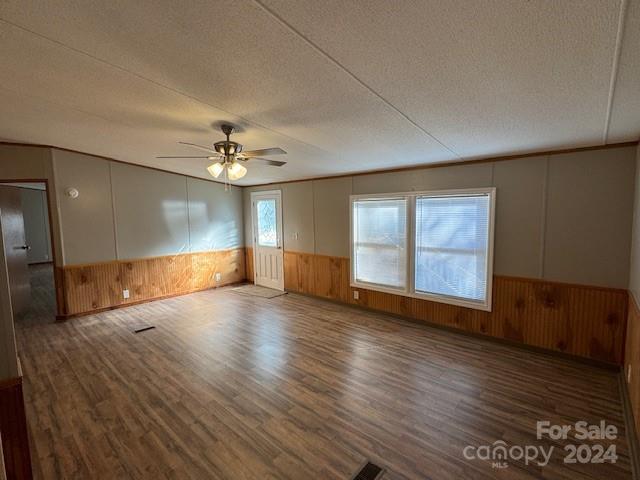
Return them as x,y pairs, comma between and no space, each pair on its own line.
273,163
210,157
263,152
206,149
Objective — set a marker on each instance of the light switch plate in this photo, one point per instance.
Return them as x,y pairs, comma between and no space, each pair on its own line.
125,294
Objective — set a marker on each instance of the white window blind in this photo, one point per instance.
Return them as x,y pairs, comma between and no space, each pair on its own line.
451,245
380,241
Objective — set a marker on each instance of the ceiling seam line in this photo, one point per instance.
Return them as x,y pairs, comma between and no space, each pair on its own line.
93,115
68,106
158,84
614,69
352,75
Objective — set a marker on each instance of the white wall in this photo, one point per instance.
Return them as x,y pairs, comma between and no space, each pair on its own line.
129,212
634,273
520,216
215,216
86,222
589,215
331,215
150,210
564,217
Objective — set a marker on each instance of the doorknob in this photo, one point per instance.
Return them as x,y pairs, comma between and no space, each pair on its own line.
23,247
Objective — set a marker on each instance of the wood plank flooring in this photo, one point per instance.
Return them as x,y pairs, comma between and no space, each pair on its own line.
229,386
42,303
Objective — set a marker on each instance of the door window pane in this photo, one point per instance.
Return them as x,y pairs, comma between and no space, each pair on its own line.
267,223
380,237
452,241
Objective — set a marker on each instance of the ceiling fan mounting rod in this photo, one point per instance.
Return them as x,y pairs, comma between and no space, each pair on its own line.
227,130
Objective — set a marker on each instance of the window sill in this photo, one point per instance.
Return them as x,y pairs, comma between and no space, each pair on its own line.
459,302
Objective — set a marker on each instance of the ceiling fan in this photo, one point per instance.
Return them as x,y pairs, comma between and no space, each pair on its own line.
228,156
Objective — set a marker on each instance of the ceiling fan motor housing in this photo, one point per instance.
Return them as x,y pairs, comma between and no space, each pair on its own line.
227,147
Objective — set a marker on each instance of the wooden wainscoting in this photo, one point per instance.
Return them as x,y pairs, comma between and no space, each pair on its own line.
575,319
632,358
248,263
13,429
99,286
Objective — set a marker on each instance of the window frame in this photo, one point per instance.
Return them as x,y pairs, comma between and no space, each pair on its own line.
409,289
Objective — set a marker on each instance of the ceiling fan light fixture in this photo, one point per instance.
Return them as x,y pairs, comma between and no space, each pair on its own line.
215,169
226,153
236,171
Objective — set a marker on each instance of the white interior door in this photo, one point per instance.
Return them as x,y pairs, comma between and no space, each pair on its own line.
266,215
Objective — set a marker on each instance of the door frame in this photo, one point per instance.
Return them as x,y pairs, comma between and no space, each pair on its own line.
58,283
279,222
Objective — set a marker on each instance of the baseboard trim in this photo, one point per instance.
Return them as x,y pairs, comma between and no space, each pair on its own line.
630,426
613,367
64,318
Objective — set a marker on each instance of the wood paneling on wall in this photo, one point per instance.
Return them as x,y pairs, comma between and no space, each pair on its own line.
632,358
576,319
13,429
248,264
98,286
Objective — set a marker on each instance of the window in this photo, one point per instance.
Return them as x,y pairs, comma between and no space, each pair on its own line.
380,241
449,238
452,238
267,231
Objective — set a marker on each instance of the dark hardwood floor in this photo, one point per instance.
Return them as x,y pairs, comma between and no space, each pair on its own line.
230,386
42,305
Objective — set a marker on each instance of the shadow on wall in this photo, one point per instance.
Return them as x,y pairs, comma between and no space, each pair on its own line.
210,235
218,234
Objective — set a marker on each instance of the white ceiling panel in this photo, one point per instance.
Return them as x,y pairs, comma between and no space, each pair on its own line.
342,86
73,91
249,67
484,77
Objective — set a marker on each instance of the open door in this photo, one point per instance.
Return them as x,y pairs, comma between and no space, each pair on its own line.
266,216
15,247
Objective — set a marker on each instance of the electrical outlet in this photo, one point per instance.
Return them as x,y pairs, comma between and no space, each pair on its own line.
125,294
629,374
356,295
218,277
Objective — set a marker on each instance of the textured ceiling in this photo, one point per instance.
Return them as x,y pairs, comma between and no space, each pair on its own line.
342,86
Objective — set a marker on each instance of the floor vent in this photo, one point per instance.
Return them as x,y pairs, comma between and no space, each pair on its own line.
143,329
369,471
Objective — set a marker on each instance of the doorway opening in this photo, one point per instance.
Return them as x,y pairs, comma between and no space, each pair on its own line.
24,212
